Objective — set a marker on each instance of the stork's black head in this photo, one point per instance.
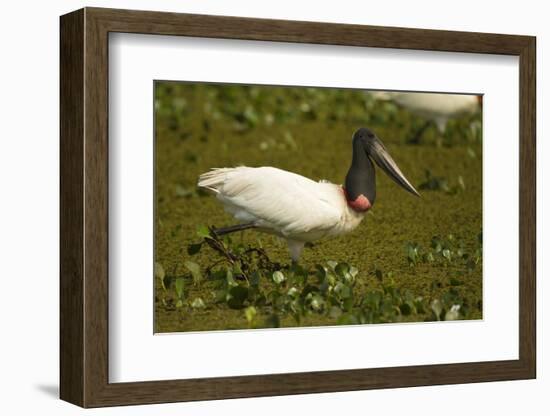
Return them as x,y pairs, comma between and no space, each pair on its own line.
360,180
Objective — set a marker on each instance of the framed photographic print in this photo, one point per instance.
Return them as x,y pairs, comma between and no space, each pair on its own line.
255,207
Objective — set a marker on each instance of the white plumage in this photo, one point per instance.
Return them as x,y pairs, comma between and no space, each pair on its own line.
283,203
435,107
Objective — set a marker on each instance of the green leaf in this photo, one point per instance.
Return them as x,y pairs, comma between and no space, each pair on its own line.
412,254
317,303
160,274
238,295
278,277
332,264
203,231
341,269
447,254
437,308
293,292
342,290
348,304
193,249
453,314
321,272
220,295
405,309
230,279
335,312
250,313
179,287
195,270
198,303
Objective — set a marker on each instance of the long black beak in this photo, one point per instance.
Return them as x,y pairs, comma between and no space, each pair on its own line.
383,159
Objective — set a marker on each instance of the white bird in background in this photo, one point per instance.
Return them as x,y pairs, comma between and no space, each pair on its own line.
299,209
436,108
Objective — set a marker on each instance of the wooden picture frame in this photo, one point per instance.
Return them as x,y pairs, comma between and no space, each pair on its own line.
84,207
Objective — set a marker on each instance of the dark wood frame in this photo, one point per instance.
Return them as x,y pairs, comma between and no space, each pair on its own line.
84,207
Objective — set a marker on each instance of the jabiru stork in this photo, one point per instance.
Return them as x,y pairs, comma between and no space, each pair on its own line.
437,108
297,208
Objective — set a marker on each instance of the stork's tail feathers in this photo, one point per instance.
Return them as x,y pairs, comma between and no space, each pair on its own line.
213,179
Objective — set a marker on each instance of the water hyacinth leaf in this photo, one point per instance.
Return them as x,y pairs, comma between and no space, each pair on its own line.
437,308
436,244
203,231
341,269
412,254
220,295
250,313
238,295
335,312
160,274
348,304
388,307
307,290
230,279
217,274
179,285
193,249
372,299
332,264
198,303
453,314
405,309
293,292
342,290
317,303
159,271
278,277
255,278
195,270
237,271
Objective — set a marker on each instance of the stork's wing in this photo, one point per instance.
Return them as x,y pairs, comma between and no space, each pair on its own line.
273,198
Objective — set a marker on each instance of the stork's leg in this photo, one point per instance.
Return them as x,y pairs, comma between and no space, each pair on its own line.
295,248
234,228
